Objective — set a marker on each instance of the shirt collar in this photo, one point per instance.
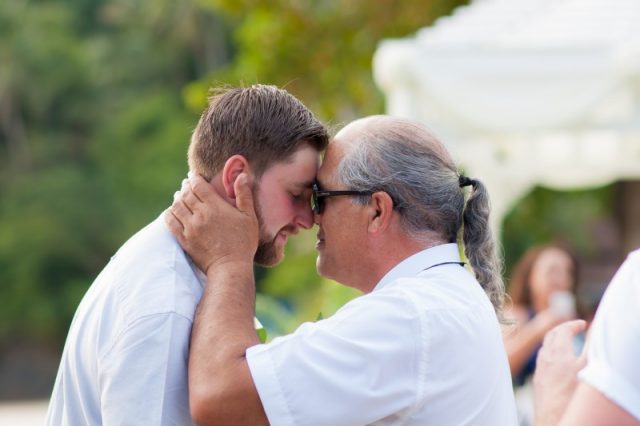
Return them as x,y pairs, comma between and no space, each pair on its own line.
420,261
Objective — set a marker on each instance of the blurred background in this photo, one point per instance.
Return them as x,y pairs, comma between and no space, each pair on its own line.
98,99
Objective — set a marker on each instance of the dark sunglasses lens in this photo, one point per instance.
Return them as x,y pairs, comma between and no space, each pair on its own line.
317,204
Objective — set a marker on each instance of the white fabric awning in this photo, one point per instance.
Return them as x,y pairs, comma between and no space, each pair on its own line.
525,92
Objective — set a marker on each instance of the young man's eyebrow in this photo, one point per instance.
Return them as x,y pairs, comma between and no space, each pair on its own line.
305,185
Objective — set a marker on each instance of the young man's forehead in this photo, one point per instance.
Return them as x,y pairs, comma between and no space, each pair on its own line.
297,174
307,183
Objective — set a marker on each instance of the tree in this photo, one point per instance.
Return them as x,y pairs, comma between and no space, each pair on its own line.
93,137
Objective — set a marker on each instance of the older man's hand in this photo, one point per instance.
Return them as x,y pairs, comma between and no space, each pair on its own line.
209,228
557,367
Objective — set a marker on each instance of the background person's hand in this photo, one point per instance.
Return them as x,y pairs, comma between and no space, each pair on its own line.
544,321
557,367
210,229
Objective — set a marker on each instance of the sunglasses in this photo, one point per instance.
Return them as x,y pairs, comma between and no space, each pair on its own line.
318,196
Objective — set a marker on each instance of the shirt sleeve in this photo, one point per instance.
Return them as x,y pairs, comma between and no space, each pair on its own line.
356,367
143,377
614,347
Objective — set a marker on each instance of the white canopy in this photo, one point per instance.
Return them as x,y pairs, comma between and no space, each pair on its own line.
525,92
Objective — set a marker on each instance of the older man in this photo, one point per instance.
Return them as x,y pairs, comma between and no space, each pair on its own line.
421,346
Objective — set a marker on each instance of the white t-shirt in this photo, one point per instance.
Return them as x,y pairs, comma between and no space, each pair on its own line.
424,348
125,358
613,354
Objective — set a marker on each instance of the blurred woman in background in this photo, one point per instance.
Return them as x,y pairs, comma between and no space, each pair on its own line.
542,291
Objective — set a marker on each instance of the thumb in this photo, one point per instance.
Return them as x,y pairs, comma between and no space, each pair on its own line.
576,326
585,348
244,196
573,328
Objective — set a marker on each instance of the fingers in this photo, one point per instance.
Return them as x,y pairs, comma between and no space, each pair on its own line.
180,210
173,223
585,347
244,196
201,189
187,196
566,330
575,326
558,343
184,204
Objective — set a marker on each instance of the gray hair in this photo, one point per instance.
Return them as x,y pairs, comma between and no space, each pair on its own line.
407,162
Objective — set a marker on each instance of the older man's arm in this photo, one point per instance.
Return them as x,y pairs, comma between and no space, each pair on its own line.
221,389
222,239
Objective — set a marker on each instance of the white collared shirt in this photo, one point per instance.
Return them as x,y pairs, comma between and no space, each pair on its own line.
424,348
125,358
614,344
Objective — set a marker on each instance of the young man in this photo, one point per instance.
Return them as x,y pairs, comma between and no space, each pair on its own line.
125,359
421,346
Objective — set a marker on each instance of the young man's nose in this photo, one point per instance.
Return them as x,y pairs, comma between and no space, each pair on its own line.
305,217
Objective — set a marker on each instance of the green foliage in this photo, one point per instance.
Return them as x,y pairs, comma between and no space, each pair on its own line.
545,215
50,248
140,158
93,137
321,51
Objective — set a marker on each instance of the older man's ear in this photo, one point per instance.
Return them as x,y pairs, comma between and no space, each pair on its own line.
380,212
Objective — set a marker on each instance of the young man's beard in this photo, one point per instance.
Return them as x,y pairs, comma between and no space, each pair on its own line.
267,253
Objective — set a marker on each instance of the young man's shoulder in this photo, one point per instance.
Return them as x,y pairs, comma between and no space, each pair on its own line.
150,274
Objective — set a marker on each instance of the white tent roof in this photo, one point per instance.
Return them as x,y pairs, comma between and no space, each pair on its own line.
525,92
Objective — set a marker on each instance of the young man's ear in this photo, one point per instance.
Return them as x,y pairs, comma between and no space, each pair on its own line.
381,210
235,165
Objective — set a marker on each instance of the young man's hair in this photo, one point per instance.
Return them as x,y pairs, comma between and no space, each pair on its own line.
263,123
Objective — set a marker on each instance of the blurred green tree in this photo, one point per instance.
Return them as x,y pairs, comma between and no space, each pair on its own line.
545,215
320,51
93,137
